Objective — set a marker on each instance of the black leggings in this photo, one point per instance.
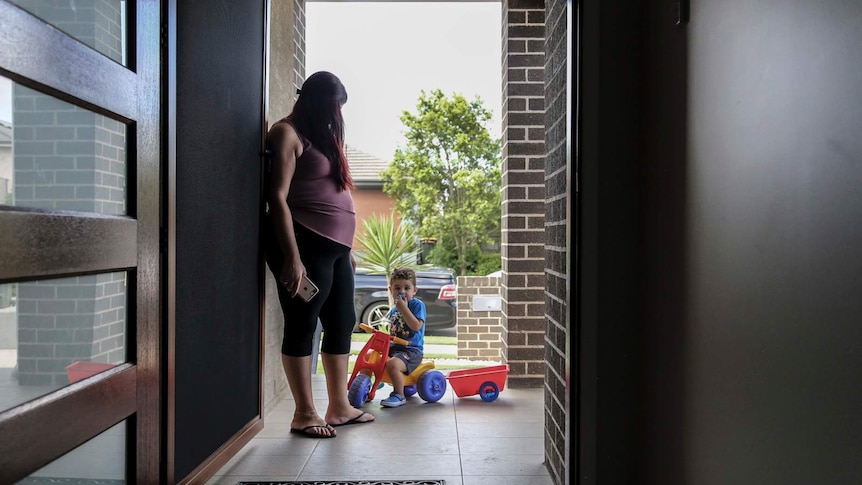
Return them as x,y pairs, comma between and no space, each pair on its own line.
328,266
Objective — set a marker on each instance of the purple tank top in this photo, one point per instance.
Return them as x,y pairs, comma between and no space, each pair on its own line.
315,200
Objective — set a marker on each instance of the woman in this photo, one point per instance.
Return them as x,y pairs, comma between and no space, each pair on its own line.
310,230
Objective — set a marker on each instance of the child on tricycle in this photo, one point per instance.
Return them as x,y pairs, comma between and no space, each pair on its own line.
402,365
407,322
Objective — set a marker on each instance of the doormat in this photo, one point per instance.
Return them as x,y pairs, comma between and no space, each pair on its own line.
351,482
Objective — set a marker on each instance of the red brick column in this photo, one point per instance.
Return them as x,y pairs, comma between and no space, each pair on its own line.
523,242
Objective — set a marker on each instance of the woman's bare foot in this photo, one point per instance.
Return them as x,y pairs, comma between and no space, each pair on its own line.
350,415
310,423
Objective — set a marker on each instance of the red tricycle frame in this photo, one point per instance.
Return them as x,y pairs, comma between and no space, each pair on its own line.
369,372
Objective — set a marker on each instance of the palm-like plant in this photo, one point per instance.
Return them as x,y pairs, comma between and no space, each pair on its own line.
386,245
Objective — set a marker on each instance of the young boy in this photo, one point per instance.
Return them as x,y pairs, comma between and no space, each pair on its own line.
406,321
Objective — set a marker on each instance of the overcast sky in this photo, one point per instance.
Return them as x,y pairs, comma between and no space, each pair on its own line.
385,53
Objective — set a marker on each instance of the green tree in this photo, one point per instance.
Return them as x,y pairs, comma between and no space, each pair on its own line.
479,261
446,179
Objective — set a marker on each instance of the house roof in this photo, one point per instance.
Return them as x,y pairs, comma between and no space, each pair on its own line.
364,167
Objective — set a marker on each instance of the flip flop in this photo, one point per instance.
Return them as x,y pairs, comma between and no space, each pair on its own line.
306,431
354,421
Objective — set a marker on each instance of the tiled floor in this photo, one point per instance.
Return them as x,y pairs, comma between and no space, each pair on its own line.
465,441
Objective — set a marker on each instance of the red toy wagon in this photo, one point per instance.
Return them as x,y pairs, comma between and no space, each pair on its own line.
487,382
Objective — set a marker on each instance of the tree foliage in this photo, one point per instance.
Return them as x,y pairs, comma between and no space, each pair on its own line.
479,262
386,245
446,179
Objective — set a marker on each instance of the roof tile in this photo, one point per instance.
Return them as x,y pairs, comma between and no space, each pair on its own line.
364,167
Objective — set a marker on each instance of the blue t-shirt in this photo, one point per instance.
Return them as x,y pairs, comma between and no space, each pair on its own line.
399,328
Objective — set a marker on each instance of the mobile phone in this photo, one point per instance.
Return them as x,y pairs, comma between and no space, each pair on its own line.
307,289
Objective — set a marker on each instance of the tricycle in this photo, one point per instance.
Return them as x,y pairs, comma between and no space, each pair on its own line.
369,372
487,382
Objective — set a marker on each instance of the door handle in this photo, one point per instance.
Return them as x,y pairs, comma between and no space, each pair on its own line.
682,12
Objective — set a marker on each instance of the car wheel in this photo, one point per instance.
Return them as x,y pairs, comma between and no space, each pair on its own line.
375,316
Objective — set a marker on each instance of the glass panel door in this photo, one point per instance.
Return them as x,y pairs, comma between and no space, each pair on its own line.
79,240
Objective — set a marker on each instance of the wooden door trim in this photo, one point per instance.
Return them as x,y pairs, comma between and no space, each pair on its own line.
106,399
91,244
86,79
224,453
146,54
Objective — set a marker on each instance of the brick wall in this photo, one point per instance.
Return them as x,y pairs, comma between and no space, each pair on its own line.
369,202
65,320
66,157
479,333
523,235
286,74
556,236
108,35
96,23
298,45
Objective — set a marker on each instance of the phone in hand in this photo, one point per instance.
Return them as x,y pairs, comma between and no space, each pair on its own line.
307,289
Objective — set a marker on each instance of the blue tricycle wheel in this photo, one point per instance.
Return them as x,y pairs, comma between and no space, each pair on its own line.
409,391
432,386
489,391
359,390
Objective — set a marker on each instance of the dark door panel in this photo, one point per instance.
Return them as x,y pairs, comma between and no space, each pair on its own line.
215,338
720,270
753,234
774,210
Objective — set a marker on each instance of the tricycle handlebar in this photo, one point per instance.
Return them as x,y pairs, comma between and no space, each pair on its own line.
370,329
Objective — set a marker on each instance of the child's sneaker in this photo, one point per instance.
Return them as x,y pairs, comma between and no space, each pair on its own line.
393,401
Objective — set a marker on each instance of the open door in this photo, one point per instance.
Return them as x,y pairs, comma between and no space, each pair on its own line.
79,240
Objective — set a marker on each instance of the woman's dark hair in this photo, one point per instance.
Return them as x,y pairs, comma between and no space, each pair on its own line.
317,116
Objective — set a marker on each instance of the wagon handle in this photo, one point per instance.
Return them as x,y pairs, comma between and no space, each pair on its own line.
370,329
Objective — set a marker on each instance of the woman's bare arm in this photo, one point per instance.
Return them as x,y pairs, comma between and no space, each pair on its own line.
286,149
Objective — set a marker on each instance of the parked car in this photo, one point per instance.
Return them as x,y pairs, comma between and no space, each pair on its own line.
435,287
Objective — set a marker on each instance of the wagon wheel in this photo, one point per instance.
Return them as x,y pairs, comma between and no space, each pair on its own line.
489,391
